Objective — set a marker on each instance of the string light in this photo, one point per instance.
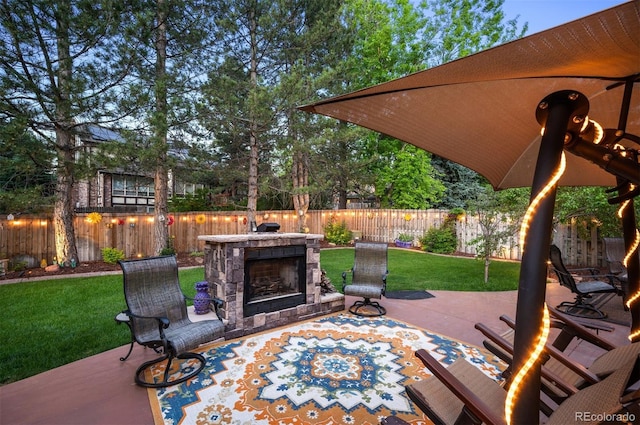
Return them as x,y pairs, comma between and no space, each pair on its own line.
632,299
625,261
632,249
533,206
514,388
598,132
533,358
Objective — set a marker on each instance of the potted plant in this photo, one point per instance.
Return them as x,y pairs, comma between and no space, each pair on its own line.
404,240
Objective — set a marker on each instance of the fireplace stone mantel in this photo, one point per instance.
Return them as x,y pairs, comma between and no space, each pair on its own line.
225,268
269,236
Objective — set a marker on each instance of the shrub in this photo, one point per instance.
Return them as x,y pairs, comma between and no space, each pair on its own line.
443,239
337,233
19,266
169,249
112,255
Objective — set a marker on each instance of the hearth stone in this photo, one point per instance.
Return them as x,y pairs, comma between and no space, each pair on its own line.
225,257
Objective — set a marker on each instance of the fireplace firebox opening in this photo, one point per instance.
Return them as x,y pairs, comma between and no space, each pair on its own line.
274,278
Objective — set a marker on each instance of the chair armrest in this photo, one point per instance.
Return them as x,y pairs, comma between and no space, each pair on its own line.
573,327
473,403
344,277
164,321
559,382
549,349
578,368
581,331
590,270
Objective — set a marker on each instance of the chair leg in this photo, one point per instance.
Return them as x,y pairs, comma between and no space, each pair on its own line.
129,353
166,381
367,308
579,304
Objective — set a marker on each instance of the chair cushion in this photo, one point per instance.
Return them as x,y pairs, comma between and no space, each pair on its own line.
190,335
365,291
445,405
602,398
592,286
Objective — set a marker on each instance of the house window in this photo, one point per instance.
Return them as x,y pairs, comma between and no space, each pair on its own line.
133,186
183,189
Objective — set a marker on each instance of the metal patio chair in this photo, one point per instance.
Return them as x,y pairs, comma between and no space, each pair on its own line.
614,253
369,278
592,284
158,318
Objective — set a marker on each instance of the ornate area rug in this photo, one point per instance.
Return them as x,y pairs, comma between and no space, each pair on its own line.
338,369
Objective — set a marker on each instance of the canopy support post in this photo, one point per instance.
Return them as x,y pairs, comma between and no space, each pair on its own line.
554,113
633,267
628,218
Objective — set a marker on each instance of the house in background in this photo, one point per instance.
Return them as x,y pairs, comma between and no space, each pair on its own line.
117,190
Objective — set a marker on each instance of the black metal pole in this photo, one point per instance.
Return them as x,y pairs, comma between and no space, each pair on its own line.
629,227
555,113
633,267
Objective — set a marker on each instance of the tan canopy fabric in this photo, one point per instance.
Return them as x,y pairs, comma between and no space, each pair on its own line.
479,111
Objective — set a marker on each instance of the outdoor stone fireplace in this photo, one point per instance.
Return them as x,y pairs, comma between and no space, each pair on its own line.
266,280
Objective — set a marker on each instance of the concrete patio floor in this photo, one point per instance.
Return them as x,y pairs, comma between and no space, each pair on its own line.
100,389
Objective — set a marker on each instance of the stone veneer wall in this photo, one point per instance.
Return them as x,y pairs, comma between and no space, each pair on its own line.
224,270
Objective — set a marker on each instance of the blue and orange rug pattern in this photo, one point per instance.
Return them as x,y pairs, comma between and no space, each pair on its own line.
338,369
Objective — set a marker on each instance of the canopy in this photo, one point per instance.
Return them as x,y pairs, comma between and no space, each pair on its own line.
483,112
479,111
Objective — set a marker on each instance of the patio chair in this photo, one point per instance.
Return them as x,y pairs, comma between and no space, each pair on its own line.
582,290
368,278
614,252
158,318
562,375
462,394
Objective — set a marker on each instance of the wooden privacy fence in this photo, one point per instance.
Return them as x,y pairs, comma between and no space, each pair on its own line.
32,235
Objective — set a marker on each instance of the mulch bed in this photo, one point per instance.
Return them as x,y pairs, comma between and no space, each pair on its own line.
184,260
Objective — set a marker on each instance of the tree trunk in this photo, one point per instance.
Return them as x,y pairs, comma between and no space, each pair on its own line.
252,183
300,177
65,241
161,178
342,177
487,261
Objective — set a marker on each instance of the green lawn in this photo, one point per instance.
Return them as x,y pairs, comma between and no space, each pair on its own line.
50,323
415,270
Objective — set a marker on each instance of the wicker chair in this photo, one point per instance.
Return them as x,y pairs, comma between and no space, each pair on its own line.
462,394
158,317
369,278
591,285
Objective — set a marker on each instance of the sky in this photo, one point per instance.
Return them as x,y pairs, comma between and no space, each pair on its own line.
545,14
